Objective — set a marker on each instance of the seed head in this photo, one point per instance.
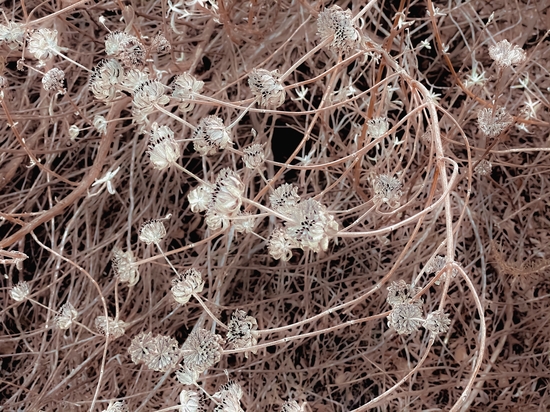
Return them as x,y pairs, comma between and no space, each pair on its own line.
405,318
108,74
20,291
336,22
199,198
211,135
493,121
201,350
280,245
152,231
437,322
66,316
163,149
387,189
119,406
186,87
242,331
42,43
186,284
13,34
484,168
504,54
126,48
160,44
229,398
191,401
146,96
377,127
267,88
53,80
284,198
400,293
110,327
100,124
124,266
254,156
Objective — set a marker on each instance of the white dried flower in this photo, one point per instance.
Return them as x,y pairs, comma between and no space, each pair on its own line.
146,96
187,376
377,127
20,291
106,181
400,293
3,86
493,121
160,44
73,132
164,354
66,316
405,318
141,347
292,406
135,78
191,401
100,124
125,47
53,80
244,223
152,231
12,34
186,87
199,198
280,245
504,54
110,327
437,322
267,88
211,135
186,284
201,350
163,149
229,398
226,199
336,22
119,406
124,266
254,156
387,189
284,198
435,264
42,43
311,225
484,168
242,332
108,74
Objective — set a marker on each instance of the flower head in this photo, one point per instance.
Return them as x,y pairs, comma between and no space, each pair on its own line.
163,149
152,231
42,43
108,326
125,47
337,23
146,96
186,87
504,54
254,156
280,245
66,316
285,198
186,284
201,350
242,331
20,291
437,322
108,74
53,80
13,34
493,121
199,198
267,88
406,318
124,266
211,135
387,189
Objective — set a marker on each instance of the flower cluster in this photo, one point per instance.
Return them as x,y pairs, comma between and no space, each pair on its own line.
42,44
222,200
336,23
493,121
163,149
406,314
108,74
124,266
160,353
53,80
242,331
186,284
309,225
126,48
504,54
13,34
377,127
437,322
267,88
191,401
229,398
201,350
146,96
66,316
108,326
186,87
387,189
211,135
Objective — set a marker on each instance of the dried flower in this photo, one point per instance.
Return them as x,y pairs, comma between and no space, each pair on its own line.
242,331
437,322
484,167
100,124
387,189
405,318
42,43
211,135
119,406
280,245
284,198
377,127
66,316
229,398
160,44
186,87
3,86
110,327
199,198
191,401
292,406
186,284
74,131
435,264
201,350
226,199
400,293
146,96
493,121
311,225
134,78
108,74
141,347
164,354
125,47
504,54
12,34
152,231
163,149
20,291
187,376
244,223
335,22
124,266
254,156
53,80
267,88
